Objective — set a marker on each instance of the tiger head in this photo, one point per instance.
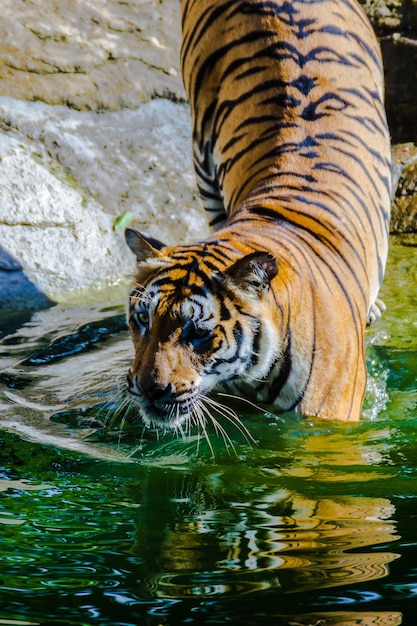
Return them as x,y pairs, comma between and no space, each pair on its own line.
195,322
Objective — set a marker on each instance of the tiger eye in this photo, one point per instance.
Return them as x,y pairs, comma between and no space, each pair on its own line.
201,332
142,318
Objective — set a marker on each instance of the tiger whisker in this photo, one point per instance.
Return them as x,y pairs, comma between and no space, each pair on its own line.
202,421
183,428
256,380
179,429
112,413
139,447
125,406
193,410
241,398
190,419
230,415
219,429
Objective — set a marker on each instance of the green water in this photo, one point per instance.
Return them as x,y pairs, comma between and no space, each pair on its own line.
316,521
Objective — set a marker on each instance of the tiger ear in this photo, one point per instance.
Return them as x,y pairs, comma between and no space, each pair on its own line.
253,273
142,246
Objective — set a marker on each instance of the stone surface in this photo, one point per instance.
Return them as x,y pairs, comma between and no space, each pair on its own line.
395,22
404,205
90,54
93,123
65,176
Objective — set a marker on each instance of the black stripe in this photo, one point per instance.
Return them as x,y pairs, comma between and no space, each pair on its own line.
278,383
206,20
327,241
335,103
227,107
218,55
225,314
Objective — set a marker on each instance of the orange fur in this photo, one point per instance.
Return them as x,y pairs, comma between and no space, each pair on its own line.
291,152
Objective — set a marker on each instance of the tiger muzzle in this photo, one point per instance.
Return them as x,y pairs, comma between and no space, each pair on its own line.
155,393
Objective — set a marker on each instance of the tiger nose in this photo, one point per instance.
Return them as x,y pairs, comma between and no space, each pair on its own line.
153,391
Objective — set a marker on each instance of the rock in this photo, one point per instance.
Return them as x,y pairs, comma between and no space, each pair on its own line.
65,176
100,54
395,23
404,205
92,124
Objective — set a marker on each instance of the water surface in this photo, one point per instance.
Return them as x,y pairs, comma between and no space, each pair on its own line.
314,523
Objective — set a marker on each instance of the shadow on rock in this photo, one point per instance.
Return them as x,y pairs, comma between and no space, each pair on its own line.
19,298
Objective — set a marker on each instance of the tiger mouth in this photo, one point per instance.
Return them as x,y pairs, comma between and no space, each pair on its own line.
168,414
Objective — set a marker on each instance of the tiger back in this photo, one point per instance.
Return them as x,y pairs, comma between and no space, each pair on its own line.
291,152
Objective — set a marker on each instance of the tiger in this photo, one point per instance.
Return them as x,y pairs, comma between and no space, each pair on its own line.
292,159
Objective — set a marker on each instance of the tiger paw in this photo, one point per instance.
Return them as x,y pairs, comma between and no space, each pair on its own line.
375,311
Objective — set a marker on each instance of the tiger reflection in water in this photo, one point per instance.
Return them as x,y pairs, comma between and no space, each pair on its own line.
201,547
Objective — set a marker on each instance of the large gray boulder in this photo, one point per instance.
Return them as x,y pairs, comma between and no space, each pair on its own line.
93,125
65,177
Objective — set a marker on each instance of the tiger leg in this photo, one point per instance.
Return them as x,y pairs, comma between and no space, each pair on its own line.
341,396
